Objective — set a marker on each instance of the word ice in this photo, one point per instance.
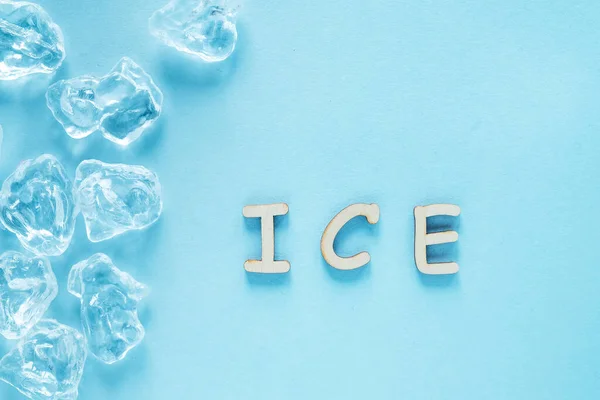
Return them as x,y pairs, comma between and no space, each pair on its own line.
267,213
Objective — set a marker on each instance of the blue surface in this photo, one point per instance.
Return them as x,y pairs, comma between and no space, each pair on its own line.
489,105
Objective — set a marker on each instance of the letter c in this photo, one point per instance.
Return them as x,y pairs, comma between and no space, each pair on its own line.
371,211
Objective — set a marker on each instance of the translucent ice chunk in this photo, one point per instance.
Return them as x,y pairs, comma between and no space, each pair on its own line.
115,198
27,287
29,41
204,28
47,363
109,299
36,203
121,105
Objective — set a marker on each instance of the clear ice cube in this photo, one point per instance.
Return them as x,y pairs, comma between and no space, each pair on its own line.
115,198
27,287
30,42
203,28
47,363
121,105
109,299
36,204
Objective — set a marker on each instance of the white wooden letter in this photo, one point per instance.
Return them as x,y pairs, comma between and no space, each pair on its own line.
267,213
424,239
371,211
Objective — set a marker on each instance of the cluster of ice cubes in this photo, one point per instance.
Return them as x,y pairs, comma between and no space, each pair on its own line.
39,203
124,103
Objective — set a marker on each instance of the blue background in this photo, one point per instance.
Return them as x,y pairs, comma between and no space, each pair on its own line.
490,105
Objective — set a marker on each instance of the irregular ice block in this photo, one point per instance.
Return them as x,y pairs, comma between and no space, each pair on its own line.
203,28
115,198
47,363
121,105
27,287
30,42
109,299
36,204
